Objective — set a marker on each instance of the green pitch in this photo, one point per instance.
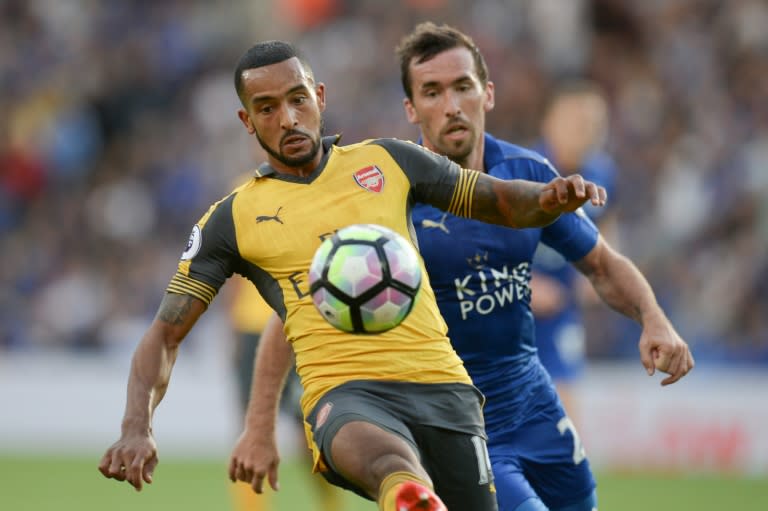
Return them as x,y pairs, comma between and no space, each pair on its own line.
68,484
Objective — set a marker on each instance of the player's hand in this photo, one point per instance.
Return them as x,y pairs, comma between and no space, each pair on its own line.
567,194
662,348
133,458
255,457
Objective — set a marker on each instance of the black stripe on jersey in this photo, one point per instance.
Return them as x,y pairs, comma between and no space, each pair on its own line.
219,256
268,287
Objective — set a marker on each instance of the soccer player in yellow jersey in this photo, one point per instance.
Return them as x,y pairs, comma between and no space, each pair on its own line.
393,417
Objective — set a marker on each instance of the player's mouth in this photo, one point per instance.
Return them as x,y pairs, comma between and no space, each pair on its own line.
294,142
456,131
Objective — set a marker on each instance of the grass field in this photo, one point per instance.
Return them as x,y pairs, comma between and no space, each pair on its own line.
66,484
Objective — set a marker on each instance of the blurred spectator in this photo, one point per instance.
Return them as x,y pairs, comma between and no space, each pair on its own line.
574,128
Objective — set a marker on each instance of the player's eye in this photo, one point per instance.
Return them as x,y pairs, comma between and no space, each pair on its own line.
464,87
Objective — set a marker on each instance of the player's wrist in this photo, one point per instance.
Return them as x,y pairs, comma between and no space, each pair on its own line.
652,315
136,426
262,421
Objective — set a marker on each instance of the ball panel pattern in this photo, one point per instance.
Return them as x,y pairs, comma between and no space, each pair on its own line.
403,262
387,309
355,269
365,278
336,312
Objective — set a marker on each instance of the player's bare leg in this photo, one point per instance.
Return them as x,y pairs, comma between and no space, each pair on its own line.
384,466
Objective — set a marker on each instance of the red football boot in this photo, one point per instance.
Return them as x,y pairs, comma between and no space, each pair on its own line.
416,497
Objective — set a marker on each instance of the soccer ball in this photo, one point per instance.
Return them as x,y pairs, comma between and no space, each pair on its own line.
364,279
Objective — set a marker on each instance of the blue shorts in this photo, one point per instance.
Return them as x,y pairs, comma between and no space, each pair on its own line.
540,457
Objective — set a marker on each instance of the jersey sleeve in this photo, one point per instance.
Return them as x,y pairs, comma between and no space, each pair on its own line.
573,235
435,179
211,255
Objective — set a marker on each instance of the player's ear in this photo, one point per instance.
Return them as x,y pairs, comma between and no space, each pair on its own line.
490,97
246,120
320,93
410,111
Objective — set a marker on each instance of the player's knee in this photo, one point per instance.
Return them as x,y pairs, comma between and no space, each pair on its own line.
366,453
588,504
394,462
531,504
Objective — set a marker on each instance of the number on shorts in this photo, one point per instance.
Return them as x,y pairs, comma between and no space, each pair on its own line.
566,424
483,460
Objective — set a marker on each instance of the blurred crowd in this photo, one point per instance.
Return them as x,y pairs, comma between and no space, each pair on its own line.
119,128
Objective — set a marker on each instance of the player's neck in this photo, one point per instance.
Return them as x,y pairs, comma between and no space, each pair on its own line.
475,159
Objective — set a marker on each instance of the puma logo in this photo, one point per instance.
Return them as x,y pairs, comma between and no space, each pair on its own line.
266,218
427,223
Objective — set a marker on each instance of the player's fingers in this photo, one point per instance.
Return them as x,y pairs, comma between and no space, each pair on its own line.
602,194
104,464
646,358
596,194
677,361
273,482
578,185
244,473
672,378
678,367
548,199
662,360
257,483
117,469
233,469
135,473
149,469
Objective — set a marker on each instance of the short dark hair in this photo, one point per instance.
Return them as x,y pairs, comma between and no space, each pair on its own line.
264,54
428,40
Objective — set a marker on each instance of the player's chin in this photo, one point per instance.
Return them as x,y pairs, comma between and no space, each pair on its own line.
298,157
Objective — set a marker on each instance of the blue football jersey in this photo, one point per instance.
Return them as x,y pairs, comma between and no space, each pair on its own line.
481,276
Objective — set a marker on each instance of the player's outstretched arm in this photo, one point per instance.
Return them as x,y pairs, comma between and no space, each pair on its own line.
519,203
621,285
255,455
133,457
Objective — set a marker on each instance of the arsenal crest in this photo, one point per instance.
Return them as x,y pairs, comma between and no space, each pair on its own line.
371,178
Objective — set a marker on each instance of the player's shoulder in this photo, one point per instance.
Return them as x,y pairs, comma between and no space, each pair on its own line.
516,161
510,151
392,144
412,157
224,205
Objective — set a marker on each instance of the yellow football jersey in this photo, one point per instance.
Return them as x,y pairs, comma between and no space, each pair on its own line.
269,228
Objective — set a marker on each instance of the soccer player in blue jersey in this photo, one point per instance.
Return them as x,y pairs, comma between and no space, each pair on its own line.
573,132
481,275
